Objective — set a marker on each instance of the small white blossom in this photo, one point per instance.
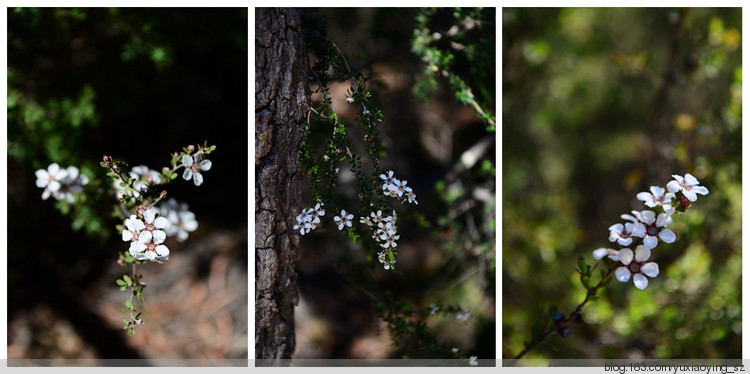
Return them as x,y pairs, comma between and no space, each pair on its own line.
455,350
464,315
181,220
193,167
634,265
343,219
434,309
688,185
473,361
62,184
50,179
657,197
621,233
652,227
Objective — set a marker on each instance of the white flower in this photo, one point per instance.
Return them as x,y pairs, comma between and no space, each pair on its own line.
193,167
389,237
61,183
473,361
410,196
621,233
634,265
398,187
434,309
388,178
133,226
657,198
652,227
463,315
181,220
688,185
343,219
455,350
51,179
349,100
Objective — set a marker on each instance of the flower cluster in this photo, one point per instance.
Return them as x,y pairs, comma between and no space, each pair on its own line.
62,184
397,188
181,220
309,219
146,236
384,232
648,228
383,227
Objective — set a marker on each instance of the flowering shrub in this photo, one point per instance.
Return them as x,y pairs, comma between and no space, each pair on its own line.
642,233
138,192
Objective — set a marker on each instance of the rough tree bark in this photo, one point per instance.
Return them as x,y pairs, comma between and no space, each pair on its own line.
281,106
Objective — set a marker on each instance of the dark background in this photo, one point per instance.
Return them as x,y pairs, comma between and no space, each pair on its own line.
161,79
447,244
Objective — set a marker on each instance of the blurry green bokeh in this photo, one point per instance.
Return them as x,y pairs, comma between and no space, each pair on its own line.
584,130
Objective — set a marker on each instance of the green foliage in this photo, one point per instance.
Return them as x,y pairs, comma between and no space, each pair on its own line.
458,45
331,144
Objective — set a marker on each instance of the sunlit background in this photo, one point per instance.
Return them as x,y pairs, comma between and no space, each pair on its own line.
599,105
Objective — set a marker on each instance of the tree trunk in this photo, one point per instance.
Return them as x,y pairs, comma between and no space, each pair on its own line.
281,106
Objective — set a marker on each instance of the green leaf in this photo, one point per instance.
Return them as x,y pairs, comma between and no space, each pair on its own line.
127,279
536,329
129,305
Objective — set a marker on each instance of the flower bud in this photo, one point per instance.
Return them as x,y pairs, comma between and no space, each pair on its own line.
559,319
576,319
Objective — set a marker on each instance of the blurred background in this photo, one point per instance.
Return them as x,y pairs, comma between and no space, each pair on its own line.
135,84
599,105
350,307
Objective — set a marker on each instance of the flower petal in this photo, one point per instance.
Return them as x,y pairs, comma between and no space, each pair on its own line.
673,186
622,274
149,216
626,256
689,194
700,189
651,269
667,236
197,179
159,236
205,165
641,282
187,174
187,161
161,222
642,253
127,235
648,217
162,250
650,242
